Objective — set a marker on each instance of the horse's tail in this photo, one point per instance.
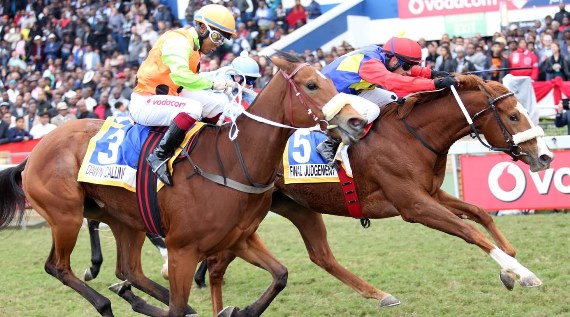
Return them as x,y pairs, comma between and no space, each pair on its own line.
13,201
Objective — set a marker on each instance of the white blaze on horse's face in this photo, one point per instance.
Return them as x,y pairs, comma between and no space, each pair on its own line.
322,75
541,144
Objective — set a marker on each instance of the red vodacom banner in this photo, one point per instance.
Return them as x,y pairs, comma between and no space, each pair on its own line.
424,8
496,182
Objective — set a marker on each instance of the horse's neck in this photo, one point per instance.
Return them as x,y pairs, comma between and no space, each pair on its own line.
441,122
262,145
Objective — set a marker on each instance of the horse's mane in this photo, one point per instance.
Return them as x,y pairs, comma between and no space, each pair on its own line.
466,83
288,57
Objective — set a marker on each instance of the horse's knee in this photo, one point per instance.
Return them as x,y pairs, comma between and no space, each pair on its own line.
323,259
215,273
50,269
281,277
412,215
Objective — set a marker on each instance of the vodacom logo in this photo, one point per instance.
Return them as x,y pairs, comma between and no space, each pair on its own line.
517,182
416,7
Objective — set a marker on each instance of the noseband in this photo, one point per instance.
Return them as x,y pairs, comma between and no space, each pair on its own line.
303,98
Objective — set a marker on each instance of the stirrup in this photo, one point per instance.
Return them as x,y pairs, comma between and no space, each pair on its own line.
334,164
165,176
162,162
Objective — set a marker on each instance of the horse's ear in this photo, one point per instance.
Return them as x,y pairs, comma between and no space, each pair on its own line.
485,90
281,63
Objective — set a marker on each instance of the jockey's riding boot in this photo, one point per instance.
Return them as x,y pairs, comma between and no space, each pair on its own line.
327,149
163,152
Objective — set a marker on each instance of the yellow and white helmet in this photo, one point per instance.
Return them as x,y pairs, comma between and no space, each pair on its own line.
218,17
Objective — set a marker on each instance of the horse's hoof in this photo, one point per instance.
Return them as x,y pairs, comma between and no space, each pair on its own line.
228,311
192,315
508,279
530,281
200,284
389,301
120,287
87,276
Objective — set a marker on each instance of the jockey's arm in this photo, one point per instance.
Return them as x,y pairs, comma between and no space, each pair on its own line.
374,71
420,71
175,55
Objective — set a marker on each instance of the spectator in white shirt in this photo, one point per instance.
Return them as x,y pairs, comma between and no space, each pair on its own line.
44,127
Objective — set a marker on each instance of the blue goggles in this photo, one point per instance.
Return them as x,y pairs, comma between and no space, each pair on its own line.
248,80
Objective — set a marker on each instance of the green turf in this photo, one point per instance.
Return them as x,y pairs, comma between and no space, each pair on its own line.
433,274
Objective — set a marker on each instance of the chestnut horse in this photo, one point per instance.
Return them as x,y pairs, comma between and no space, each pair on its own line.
199,217
399,173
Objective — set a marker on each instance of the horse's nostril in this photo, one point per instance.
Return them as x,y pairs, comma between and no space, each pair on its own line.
357,123
545,158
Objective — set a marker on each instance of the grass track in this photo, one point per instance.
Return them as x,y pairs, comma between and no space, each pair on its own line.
433,274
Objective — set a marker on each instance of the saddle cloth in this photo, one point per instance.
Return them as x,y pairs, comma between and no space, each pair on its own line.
302,164
112,154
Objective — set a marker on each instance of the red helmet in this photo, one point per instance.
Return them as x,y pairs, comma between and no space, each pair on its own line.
405,49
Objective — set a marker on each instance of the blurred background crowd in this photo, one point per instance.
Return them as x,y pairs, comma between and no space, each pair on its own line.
72,59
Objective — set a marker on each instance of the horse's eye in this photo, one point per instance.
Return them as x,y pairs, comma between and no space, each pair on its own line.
513,117
312,86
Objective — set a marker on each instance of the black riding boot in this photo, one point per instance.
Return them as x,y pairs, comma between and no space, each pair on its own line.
159,157
327,149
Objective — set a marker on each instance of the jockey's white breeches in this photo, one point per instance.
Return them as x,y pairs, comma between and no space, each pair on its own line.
379,98
160,110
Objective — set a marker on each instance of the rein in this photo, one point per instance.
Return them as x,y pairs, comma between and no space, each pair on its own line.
253,187
514,150
293,89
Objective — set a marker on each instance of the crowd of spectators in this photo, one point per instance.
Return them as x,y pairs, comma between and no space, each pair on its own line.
72,59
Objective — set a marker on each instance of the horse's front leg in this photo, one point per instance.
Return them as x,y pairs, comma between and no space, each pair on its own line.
477,214
312,228
417,206
254,251
182,262
216,267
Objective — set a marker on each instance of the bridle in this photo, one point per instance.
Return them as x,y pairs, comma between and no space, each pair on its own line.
294,89
254,187
513,148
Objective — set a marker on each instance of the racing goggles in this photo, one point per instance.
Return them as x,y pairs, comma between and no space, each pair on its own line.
215,36
248,80
406,66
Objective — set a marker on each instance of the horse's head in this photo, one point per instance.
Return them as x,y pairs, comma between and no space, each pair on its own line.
313,99
507,125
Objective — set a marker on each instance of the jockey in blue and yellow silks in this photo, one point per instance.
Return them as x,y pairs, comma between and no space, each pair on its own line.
381,75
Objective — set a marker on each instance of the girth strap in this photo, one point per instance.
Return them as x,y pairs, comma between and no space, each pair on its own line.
228,182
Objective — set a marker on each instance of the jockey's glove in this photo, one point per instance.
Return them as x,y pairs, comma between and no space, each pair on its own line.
435,74
445,82
223,83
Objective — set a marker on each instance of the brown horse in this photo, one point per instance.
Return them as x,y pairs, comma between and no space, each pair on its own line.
199,217
398,173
